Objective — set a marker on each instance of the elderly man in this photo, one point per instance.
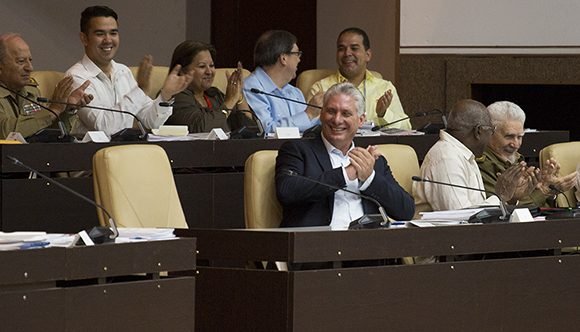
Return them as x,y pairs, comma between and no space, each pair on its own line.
502,152
353,53
452,160
112,83
332,158
18,114
276,57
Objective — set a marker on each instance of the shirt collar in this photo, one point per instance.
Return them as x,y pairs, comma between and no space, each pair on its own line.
332,149
369,77
465,152
93,70
267,84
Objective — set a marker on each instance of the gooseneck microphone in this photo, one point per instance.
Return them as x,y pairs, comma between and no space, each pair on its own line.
64,136
98,234
143,132
558,191
241,132
386,222
504,214
416,115
258,91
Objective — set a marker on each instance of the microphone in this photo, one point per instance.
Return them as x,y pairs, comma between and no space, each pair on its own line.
484,216
124,134
257,91
562,213
416,115
98,234
247,132
363,222
63,137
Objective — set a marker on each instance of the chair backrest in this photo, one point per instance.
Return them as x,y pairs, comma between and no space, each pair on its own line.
47,81
404,164
135,184
261,207
158,76
220,80
307,78
568,156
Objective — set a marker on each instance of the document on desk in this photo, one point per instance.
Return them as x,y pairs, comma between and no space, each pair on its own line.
144,234
449,215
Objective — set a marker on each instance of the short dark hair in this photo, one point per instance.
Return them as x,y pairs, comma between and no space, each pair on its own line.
271,45
358,31
187,50
95,11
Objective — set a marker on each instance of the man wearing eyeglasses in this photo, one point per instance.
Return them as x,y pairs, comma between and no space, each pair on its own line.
353,53
276,57
453,160
502,152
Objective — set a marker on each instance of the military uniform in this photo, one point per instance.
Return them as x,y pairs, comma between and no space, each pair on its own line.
20,115
490,164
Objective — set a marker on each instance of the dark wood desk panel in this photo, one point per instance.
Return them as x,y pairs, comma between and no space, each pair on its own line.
99,287
208,174
512,294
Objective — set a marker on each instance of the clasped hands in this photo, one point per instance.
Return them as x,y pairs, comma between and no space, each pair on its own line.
362,162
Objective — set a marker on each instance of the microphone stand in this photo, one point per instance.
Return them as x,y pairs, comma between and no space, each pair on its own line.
502,205
141,137
98,234
416,115
257,91
64,136
386,220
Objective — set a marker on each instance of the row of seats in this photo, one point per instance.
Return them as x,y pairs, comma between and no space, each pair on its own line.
47,80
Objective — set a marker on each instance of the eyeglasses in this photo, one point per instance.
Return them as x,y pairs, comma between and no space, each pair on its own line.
486,127
297,53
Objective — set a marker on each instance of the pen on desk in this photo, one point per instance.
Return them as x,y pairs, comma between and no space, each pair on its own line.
31,245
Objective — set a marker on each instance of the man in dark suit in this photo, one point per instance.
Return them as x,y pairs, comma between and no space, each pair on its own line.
332,158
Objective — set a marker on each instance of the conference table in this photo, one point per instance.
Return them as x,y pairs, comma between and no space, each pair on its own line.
496,277
109,287
208,174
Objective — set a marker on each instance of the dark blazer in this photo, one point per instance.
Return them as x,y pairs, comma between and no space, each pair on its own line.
309,204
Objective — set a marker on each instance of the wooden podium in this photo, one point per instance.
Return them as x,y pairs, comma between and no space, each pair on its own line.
535,289
109,287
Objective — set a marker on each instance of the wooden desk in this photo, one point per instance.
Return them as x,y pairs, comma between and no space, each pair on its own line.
96,288
529,293
208,175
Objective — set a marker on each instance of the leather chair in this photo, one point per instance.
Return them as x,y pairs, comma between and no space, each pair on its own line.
135,184
307,78
159,74
47,81
261,207
568,155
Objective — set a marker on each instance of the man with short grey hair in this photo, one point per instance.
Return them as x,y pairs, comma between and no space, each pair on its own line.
332,158
502,153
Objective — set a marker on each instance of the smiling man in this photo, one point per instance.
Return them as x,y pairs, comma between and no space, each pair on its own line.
112,83
332,158
502,152
353,53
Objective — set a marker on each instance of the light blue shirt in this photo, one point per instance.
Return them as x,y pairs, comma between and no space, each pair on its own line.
276,112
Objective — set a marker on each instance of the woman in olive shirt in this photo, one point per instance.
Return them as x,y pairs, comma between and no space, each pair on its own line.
202,107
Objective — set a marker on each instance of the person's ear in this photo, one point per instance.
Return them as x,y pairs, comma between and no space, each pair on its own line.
362,120
84,38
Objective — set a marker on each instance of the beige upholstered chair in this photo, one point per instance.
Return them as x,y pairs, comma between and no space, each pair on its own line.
220,81
158,76
261,207
568,155
307,78
135,184
47,81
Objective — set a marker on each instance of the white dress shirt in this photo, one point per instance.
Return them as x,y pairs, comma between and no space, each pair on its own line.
347,207
119,92
452,162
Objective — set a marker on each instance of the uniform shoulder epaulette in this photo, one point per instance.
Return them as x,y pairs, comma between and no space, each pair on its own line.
32,82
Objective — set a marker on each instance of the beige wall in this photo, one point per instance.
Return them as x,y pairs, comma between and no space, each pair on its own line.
51,29
377,17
